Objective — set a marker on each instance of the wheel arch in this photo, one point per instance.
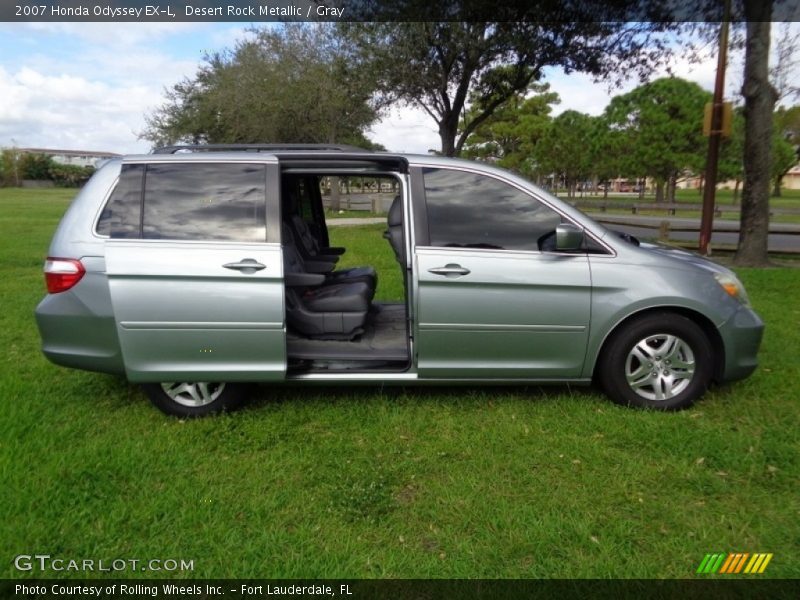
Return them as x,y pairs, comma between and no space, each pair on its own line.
702,321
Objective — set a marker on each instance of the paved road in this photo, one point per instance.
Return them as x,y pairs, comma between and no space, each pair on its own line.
783,237
333,222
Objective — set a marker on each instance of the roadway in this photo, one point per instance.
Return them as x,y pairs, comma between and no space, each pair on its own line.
783,237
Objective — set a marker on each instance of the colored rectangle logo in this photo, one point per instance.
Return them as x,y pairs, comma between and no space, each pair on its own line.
734,563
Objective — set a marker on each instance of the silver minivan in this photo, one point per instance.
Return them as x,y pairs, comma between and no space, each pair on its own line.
199,270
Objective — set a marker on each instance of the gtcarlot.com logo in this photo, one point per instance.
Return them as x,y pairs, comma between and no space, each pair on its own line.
734,563
46,562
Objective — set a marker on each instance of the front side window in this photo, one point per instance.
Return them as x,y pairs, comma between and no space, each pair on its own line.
214,202
469,210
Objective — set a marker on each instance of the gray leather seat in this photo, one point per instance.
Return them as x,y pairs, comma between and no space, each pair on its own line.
307,243
320,310
321,265
394,233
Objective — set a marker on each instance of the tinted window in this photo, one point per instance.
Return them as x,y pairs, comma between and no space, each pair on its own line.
205,202
121,217
474,211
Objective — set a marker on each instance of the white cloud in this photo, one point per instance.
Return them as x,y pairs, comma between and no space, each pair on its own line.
228,37
67,111
406,129
89,85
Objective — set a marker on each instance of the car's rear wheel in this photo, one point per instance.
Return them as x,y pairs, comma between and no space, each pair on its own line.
661,360
195,398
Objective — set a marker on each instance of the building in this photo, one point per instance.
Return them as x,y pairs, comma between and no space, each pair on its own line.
791,181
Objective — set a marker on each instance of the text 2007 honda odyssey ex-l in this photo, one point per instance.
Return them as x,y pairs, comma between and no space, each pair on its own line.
197,270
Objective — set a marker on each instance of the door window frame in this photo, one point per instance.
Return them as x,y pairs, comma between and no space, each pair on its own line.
272,195
421,225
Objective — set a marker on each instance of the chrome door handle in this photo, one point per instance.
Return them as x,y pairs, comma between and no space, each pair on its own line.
450,270
246,265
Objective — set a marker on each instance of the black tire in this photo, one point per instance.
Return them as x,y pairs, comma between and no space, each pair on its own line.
176,398
675,374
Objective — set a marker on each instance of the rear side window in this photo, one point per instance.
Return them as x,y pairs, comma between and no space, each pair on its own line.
469,210
121,217
205,202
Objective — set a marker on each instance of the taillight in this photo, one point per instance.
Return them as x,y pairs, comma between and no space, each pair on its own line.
61,274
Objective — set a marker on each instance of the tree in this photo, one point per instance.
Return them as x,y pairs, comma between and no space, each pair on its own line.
509,136
295,83
784,157
564,151
439,66
731,165
610,155
786,144
759,102
10,167
661,122
783,73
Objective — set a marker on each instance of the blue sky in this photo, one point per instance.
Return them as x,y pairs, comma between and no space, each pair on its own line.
89,85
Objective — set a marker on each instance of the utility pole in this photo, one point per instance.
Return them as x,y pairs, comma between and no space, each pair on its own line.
715,135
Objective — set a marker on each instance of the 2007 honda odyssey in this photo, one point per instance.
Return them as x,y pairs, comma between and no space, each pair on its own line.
197,270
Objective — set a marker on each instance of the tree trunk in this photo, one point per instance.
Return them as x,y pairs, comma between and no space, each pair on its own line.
776,187
659,190
759,102
672,183
336,204
447,134
736,191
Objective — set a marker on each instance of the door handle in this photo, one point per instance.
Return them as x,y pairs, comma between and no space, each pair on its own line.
246,265
450,270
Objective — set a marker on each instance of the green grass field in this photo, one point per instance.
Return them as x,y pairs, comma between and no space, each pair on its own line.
378,482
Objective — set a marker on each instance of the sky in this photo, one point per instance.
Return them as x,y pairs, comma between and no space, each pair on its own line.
88,86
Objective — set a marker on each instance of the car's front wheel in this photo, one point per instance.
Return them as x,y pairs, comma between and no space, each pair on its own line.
195,398
661,360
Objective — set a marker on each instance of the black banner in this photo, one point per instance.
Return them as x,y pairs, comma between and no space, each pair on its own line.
398,589
378,10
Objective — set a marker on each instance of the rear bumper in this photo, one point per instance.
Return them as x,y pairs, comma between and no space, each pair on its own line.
75,336
741,336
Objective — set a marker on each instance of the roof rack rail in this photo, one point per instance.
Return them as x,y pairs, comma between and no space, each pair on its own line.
255,148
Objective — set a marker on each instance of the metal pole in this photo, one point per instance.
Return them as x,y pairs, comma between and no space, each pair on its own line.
710,186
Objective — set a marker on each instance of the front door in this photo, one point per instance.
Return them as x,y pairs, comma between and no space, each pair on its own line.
197,289
491,302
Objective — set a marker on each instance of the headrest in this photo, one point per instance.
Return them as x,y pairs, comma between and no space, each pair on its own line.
395,216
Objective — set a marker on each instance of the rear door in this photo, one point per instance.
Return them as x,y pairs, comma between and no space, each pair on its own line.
493,301
195,270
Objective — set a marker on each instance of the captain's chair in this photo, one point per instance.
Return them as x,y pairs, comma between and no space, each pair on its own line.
394,233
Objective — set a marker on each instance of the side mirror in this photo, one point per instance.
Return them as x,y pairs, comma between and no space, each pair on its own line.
568,237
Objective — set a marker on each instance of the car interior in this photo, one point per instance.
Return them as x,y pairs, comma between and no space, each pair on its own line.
334,321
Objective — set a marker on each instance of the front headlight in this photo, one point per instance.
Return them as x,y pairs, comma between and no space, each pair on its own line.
732,286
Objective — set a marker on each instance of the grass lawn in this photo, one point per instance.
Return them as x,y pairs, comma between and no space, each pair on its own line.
370,482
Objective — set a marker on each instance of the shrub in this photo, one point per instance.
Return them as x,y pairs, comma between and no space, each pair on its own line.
15,166
69,175
34,166
9,167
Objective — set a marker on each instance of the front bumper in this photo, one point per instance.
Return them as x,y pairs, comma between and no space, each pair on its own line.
741,336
